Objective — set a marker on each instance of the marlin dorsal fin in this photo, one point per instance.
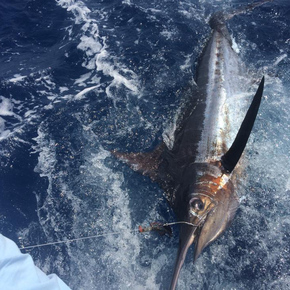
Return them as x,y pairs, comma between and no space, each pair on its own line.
231,157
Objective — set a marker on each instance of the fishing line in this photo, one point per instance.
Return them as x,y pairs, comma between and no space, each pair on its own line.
98,236
175,223
73,240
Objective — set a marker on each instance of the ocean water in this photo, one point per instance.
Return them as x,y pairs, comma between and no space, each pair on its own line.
81,78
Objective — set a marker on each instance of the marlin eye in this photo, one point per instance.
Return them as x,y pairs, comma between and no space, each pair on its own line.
197,204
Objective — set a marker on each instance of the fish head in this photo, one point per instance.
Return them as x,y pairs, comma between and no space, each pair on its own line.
211,207
211,213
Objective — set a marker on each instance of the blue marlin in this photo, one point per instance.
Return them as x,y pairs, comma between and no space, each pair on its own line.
199,170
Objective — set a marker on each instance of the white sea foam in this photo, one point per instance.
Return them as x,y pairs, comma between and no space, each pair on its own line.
97,54
17,78
168,34
82,79
7,110
288,184
63,89
6,107
3,133
235,46
81,94
187,63
117,253
280,58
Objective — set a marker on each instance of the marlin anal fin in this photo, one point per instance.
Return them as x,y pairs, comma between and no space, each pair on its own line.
146,163
231,157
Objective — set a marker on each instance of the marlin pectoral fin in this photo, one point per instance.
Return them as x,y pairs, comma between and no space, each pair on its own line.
231,157
146,163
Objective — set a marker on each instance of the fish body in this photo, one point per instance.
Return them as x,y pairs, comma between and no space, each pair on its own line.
197,172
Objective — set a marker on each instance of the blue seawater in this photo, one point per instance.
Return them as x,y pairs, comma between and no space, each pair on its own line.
81,78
